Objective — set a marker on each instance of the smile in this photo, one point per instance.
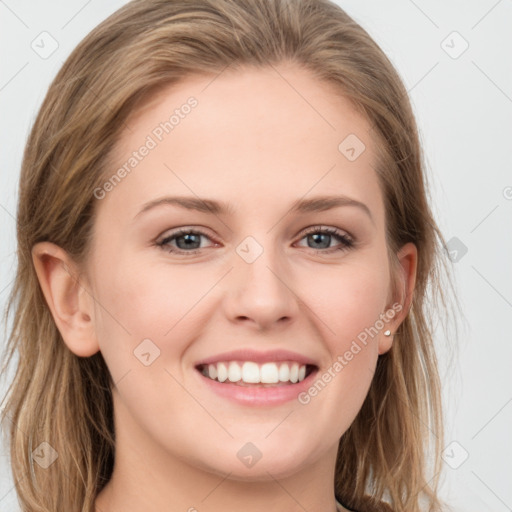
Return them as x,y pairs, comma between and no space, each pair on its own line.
251,373
262,393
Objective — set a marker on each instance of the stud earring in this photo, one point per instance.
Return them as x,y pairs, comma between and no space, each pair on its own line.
387,333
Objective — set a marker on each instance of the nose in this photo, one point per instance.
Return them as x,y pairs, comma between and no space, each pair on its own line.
260,292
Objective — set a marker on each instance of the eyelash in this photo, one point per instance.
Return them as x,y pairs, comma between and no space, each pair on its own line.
346,242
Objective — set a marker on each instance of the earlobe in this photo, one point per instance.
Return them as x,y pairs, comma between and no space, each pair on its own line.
401,302
386,341
70,303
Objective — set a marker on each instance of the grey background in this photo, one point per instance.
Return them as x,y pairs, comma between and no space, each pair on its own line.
463,104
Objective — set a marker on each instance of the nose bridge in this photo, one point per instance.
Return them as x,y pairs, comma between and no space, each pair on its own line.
261,289
260,264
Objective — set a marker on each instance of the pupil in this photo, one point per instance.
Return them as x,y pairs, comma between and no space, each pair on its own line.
316,235
188,240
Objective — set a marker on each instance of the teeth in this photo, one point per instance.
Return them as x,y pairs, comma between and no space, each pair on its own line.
294,372
234,372
212,371
222,372
269,373
284,373
251,373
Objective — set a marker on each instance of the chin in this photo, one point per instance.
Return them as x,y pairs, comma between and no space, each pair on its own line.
251,466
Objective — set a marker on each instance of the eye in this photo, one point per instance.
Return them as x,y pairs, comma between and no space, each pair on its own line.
322,238
188,241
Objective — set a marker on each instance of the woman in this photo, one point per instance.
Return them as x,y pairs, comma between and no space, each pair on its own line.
256,369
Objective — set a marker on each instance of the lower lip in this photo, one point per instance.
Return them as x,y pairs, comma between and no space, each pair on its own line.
258,396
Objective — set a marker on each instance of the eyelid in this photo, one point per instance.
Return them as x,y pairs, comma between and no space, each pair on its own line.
183,231
329,229
204,231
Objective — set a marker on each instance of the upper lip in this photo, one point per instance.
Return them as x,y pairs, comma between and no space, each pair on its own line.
258,357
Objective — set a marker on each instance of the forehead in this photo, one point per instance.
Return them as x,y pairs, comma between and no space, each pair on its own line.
275,133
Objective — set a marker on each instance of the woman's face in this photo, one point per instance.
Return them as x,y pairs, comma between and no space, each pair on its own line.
262,272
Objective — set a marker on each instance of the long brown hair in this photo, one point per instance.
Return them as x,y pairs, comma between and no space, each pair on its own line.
65,400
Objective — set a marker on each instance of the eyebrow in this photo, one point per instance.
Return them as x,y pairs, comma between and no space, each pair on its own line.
316,204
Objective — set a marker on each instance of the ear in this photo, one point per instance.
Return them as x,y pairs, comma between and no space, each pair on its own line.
401,300
70,303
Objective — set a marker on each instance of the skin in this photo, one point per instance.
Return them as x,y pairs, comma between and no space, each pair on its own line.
255,142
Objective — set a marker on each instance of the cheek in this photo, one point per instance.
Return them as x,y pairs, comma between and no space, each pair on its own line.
349,305
348,301
138,302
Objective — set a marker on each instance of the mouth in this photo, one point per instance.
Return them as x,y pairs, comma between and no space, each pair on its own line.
255,375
